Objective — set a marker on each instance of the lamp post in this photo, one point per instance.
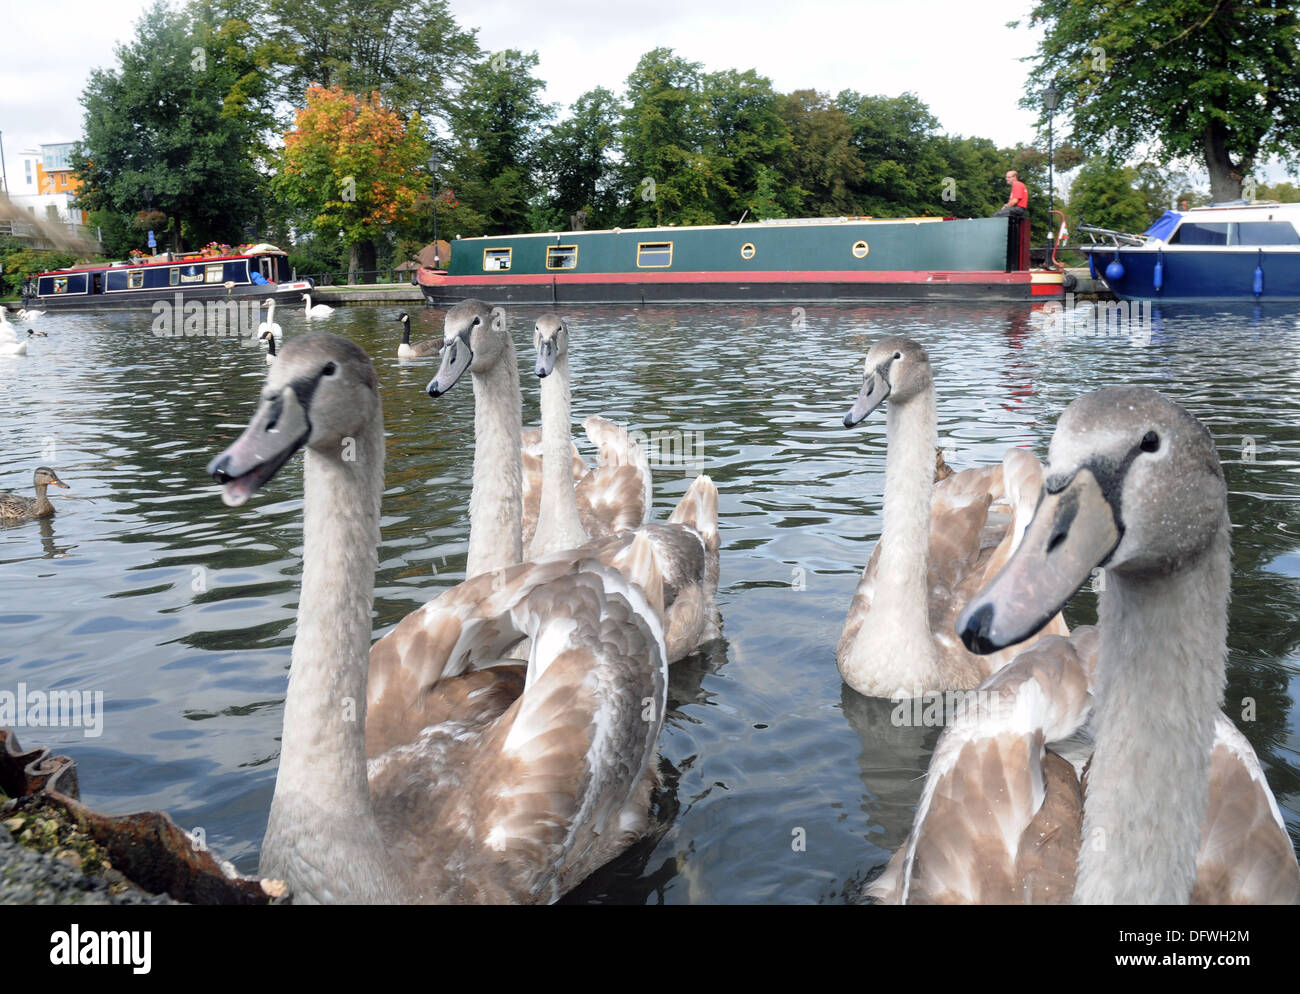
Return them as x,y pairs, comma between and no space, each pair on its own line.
433,164
1051,99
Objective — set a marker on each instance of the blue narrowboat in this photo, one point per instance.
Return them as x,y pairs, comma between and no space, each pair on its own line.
259,272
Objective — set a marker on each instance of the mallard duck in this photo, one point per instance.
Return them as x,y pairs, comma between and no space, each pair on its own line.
14,507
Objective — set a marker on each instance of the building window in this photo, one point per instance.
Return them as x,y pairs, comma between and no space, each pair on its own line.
747,250
654,255
135,279
860,250
496,260
562,257
214,274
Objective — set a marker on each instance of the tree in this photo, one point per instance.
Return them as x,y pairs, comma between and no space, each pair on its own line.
1031,164
973,184
1108,194
355,166
665,172
896,139
576,165
497,124
744,137
1197,78
821,167
182,116
411,51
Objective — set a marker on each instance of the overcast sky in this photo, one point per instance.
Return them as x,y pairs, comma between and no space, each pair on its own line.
960,58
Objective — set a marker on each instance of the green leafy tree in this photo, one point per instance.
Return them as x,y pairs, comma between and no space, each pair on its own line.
182,116
744,137
1199,78
897,141
666,175
821,168
411,51
973,184
1123,198
1286,193
576,165
1032,165
497,124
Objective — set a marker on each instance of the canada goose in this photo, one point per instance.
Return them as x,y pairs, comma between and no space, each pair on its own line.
939,543
269,324
1176,809
319,311
446,782
613,497
14,507
428,347
268,337
685,549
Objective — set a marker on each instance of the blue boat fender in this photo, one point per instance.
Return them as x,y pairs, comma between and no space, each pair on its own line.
1258,285
1092,265
1158,276
1115,271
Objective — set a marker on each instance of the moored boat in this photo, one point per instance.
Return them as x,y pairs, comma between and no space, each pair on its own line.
816,259
1235,251
258,273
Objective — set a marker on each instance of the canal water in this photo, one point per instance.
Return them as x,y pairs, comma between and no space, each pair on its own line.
780,784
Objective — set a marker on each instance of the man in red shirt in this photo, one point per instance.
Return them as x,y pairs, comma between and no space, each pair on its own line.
1017,204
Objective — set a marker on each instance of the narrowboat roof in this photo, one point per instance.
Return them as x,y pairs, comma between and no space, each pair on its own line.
184,260
677,228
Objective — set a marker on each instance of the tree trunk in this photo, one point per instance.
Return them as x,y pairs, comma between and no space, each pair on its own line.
1225,175
361,262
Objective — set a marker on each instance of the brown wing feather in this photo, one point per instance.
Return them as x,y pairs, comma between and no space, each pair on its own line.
616,495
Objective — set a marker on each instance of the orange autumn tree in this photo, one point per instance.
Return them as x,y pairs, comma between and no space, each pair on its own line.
354,166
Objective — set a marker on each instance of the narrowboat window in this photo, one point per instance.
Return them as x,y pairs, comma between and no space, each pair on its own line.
214,274
135,279
498,260
60,284
562,257
654,255
1200,233
174,277
860,250
1266,233
747,250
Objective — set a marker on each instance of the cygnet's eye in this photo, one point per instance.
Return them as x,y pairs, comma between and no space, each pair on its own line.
1150,442
898,355
329,370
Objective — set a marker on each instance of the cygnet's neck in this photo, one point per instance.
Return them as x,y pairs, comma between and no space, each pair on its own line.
496,502
558,524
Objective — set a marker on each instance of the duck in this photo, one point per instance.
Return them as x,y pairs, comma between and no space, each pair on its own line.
37,334
428,347
14,507
319,311
269,324
615,496
269,338
455,780
939,543
683,552
1174,792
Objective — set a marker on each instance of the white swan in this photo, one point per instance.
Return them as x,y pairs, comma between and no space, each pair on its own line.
615,496
29,315
482,785
269,337
1177,809
684,550
269,324
319,311
405,350
9,343
939,543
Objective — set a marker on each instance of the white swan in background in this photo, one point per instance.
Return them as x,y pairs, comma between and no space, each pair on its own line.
939,542
1177,809
269,337
405,350
269,325
9,343
449,783
684,550
319,311
615,496
29,315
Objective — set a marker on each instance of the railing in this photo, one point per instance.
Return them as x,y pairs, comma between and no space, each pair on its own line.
377,277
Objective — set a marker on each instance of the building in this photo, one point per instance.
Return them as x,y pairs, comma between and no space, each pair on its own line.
45,188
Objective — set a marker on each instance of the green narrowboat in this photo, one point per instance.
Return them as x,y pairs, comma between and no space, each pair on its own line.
847,258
